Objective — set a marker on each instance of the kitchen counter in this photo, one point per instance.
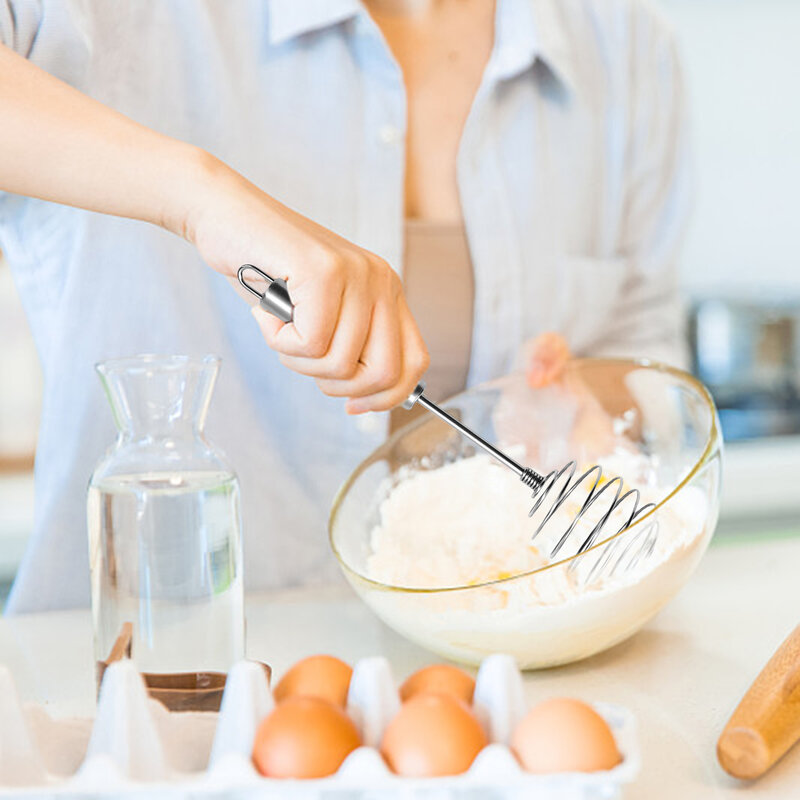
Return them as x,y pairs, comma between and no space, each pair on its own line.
682,675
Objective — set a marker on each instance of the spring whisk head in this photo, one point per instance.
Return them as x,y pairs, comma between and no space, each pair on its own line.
531,479
593,506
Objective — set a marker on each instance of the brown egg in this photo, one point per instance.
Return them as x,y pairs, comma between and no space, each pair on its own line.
432,734
304,737
439,679
564,735
327,677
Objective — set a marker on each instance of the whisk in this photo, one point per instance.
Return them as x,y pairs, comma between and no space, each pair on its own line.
559,485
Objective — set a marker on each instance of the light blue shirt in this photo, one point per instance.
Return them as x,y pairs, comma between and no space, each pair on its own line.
572,180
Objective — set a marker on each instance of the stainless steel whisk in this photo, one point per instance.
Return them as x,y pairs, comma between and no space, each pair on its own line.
563,483
560,484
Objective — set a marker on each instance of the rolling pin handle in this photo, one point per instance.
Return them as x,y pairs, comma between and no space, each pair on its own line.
767,721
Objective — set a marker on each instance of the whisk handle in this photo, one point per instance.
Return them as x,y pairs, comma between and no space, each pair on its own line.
411,400
527,476
275,299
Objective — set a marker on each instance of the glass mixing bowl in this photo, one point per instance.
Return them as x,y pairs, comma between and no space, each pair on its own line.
585,602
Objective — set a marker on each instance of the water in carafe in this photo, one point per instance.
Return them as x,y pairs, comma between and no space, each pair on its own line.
164,525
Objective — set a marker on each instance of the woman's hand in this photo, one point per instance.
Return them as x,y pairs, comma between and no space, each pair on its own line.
537,413
352,329
554,414
546,357
593,431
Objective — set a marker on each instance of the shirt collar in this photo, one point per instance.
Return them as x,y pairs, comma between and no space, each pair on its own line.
527,31
290,18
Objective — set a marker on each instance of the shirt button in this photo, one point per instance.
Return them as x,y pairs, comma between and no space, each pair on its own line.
390,134
369,423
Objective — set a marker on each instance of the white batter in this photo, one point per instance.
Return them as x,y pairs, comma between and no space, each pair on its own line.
467,522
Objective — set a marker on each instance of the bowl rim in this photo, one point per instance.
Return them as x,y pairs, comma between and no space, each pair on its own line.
713,446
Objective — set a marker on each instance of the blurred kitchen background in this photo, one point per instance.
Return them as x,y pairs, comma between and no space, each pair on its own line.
740,271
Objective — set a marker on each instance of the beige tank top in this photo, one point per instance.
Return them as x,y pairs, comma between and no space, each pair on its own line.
439,288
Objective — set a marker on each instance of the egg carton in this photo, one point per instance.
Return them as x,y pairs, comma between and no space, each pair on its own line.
135,748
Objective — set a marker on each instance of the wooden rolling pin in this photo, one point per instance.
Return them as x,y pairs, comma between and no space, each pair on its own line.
767,721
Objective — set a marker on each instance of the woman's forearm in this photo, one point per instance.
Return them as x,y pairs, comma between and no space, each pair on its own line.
61,145
352,329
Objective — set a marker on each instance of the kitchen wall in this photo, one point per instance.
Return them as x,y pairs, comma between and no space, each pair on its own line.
742,63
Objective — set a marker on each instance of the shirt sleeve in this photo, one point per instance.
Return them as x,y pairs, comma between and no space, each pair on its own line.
648,317
19,24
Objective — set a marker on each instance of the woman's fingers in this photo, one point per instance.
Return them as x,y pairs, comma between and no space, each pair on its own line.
380,363
317,306
341,361
414,362
549,354
373,352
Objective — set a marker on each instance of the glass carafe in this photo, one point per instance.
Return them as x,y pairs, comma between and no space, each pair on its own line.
164,527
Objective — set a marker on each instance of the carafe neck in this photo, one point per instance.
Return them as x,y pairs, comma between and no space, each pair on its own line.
155,398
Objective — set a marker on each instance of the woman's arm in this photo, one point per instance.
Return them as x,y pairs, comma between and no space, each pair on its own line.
58,144
352,329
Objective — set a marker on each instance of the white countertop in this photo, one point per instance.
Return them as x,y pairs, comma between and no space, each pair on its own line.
682,675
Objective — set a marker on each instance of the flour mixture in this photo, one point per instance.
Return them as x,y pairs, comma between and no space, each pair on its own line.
467,523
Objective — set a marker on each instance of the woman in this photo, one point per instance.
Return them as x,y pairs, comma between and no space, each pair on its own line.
520,165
